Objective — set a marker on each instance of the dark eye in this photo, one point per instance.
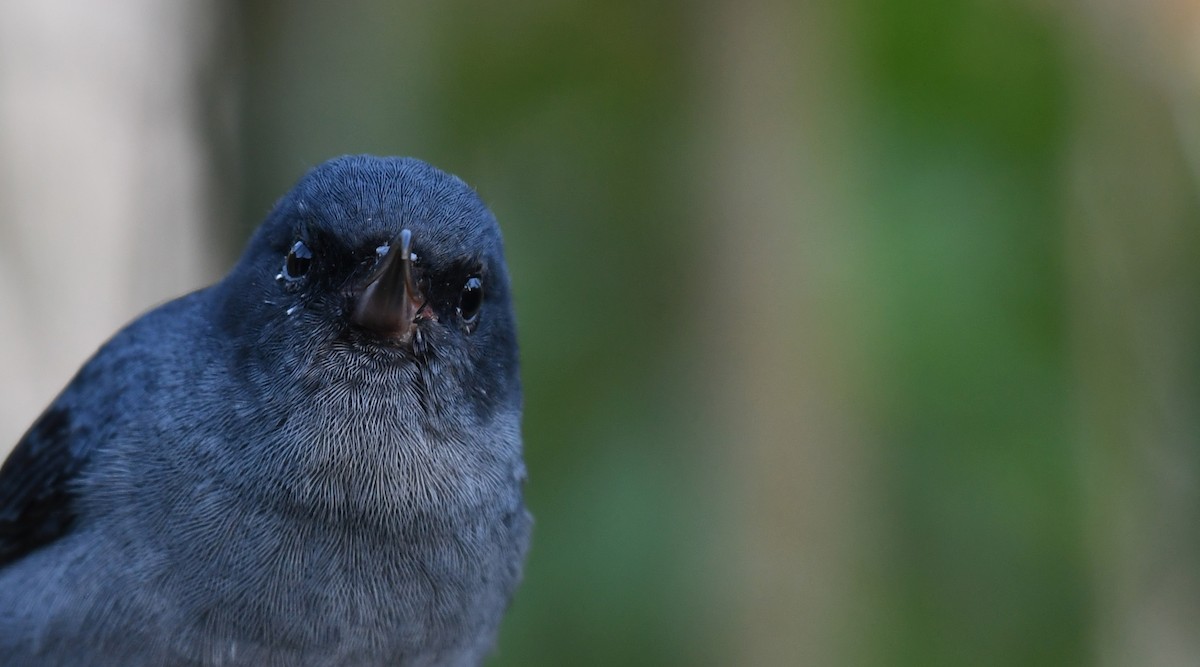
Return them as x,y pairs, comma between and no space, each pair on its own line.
298,261
470,300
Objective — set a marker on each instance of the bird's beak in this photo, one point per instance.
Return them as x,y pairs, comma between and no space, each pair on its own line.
390,304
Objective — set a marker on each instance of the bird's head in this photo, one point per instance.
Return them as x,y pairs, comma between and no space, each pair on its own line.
378,275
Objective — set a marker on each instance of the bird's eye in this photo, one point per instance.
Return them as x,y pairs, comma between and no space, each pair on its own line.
470,301
298,261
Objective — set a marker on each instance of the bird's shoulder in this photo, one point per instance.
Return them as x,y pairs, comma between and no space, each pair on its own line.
38,479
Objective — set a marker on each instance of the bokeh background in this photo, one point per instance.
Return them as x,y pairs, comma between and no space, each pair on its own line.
857,332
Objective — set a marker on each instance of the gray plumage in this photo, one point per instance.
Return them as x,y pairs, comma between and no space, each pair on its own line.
248,475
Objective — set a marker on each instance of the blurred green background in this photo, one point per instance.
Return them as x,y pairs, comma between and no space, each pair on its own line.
859,332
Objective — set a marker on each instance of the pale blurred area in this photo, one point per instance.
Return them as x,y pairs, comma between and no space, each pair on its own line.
853,333
104,191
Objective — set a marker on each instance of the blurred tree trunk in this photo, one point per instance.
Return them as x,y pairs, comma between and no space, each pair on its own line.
775,134
104,182
1133,246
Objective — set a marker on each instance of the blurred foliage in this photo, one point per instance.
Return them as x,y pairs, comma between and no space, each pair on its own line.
575,121
967,126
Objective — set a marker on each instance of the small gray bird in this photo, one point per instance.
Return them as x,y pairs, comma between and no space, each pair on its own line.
316,461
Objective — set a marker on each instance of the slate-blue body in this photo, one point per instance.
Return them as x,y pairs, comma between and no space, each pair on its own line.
243,476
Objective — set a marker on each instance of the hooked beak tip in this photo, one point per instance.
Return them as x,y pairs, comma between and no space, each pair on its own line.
390,302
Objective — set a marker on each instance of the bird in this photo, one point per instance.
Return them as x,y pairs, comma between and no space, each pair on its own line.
315,461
